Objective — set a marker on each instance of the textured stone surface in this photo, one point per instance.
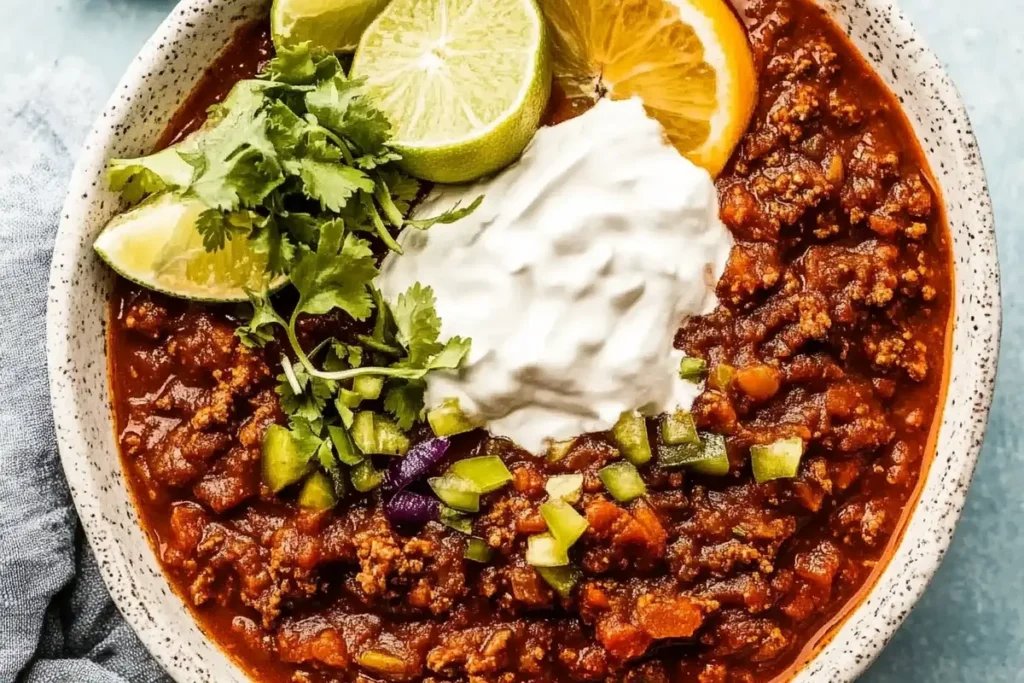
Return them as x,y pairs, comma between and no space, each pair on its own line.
970,624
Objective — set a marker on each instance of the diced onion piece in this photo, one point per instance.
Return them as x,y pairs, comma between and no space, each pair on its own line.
477,550
679,428
381,662
564,523
630,433
364,477
376,435
777,460
453,519
318,492
721,377
281,463
488,472
622,481
544,550
456,492
567,487
448,419
692,369
406,507
347,452
416,463
715,462
368,386
562,579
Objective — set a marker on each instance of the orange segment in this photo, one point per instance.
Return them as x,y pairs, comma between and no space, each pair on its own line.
688,60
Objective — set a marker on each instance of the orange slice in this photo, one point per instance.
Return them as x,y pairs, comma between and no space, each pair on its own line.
688,60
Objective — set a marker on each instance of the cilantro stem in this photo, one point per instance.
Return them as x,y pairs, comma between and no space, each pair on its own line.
378,224
289,373
383,195
345,152
379,345
401,373
380,324
294,341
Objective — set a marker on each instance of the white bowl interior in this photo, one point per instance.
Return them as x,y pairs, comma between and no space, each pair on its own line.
162,76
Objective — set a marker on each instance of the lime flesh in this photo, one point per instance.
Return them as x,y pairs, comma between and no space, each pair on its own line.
156,245
464,82
332,24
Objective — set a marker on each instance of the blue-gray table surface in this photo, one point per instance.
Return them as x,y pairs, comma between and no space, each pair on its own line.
970,624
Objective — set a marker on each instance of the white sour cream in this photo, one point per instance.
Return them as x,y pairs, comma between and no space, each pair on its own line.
572,277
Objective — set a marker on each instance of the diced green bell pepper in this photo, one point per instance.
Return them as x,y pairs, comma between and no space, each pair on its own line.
564,523
375,434
448,419
456,492
318,492
678,428
630,434
453,519
364,477
622,481
477,550
368,386
347,452
281,463
692,369
544,550
562,579
488,472
777,460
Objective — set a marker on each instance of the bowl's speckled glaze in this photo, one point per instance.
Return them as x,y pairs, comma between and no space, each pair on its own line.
163,74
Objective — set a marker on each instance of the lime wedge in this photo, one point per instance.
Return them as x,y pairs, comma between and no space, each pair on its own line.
333,24
464,82
156,245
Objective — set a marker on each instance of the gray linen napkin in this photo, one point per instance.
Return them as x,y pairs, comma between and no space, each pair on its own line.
57,622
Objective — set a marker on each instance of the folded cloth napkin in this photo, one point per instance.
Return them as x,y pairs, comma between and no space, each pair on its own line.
57,622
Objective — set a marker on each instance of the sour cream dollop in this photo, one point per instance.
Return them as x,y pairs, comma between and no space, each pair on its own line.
571,278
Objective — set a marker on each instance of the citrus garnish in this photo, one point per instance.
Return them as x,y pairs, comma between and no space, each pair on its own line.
688,60
157,245
464,82
332,24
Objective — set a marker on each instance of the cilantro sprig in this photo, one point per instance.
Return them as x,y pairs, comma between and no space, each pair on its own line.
298,160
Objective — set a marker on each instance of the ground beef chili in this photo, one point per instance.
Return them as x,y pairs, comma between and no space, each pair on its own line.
834,313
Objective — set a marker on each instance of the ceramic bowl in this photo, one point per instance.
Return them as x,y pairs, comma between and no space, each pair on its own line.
159,79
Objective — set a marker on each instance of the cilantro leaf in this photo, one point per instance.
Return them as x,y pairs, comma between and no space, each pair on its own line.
306,437
331,184
341,106
257,331
301,64
137,178
405,402
337,275
292,64
418,325
276,245
307,405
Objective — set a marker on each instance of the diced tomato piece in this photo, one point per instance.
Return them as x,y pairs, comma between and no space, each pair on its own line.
668,617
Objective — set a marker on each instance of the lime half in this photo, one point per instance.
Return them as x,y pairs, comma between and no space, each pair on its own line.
156,245
333,24
464,82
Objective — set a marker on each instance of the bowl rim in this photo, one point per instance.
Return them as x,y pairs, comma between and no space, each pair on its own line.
846,663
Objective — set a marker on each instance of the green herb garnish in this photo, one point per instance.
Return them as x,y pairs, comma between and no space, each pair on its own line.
298,160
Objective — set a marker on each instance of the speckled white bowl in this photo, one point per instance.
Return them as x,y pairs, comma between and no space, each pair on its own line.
163,74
